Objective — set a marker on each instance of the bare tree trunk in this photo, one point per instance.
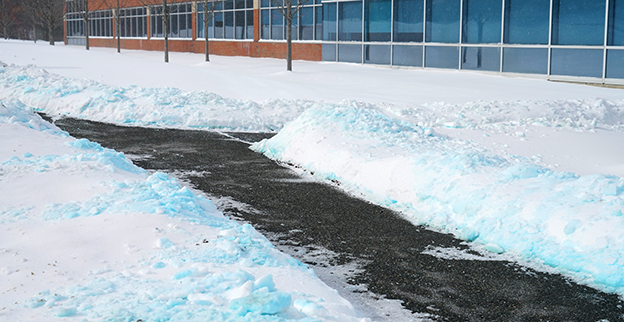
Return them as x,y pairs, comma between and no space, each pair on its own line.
206,20
86,21
118,26
289,41
51,33
166,29
35,33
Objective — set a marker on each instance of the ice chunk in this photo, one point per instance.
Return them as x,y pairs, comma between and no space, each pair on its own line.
262,302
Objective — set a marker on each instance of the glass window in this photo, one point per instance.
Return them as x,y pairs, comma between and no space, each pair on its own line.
318,18
482,21
408,20
481,58
615,33
277,25
526,21
442,21
240,4
407,56
228,4
576,62
250,24
442,57
329,52
350,53
378,20
265,24
377,54
329,21
239,32
306,30
350,22
615,63
228,21
525,60
578,22
218,25
295,27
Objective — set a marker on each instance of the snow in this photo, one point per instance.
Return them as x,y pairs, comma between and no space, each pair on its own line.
516,166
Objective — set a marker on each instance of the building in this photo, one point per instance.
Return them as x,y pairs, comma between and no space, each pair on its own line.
574,40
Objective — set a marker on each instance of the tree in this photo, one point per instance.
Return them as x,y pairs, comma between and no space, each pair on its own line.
289,9
117,16
208,13
9,11
165,15
47,13
85,12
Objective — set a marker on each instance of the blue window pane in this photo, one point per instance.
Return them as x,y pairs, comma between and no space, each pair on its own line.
442,21
250,24
377,54
576,62
318,26
350,21
277,25
266,3
228,4
526,21
295,27
578,22
482,21
239,28
615,32
378,21
306,21
442,57
329,52
350,53
218,23
329,21
481,58
229,24
407,56
615,63
408,20
525,60
265,23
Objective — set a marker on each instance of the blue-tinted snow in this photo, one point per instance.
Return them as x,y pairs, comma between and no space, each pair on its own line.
508,204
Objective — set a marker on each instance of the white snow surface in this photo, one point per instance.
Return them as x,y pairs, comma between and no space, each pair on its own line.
520,166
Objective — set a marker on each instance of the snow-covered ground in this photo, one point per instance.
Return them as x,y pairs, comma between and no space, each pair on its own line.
525,167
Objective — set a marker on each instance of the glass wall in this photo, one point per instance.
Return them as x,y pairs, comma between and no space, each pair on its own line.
180,16
133,22
307,24
554,38
230,19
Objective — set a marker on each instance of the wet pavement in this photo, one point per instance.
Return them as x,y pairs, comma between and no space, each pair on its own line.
330,230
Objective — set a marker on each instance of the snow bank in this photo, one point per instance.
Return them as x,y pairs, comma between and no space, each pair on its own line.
505,202
89,236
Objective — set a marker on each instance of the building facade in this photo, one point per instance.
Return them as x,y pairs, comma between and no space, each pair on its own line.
575,40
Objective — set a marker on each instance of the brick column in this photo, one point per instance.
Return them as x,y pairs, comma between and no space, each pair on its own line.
256,15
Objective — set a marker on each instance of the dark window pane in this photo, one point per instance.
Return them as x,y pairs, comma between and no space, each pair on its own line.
265,23
408,20
329,21
407,56
277,25
481,58
239,4
329,52
218,24
378,20
576,62
377,54
250,24
442,57
239,32
228,19
295,27
350,53
578,22
526,21
249,4
350,22
318,27
615,33
525,60
266,3
482,21
306,21
615,63
443,21
228,4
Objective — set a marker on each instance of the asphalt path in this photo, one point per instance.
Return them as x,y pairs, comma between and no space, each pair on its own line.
383,254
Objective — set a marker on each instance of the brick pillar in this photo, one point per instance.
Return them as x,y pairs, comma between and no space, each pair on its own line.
194,21
256,14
